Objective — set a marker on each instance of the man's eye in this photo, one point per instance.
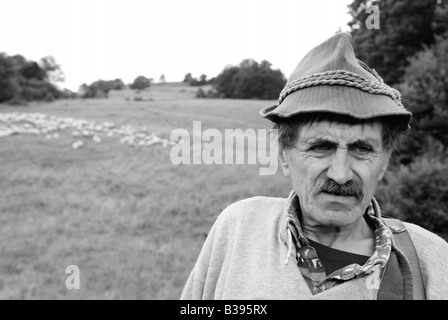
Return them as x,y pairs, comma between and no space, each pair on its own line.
362,149
321,147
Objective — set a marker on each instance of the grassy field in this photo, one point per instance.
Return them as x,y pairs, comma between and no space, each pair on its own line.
132,221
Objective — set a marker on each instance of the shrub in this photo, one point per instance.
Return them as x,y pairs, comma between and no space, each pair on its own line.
201,93
211,93
100,88
68,94
418,194
95,90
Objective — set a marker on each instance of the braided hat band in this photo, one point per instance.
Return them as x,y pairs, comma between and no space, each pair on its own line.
341,78
330,79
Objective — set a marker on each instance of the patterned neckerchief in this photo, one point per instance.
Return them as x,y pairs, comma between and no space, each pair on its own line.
309,263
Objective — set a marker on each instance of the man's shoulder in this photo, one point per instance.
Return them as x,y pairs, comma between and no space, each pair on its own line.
432,253
426,242
259,207
423,235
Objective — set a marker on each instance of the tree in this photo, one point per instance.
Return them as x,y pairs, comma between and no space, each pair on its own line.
406,26
194,81
188,78
224,82
425,94
250,80
7,84
53,71
162,79
440,22
140,83
116,84
24,80
203,79
99,89
31,70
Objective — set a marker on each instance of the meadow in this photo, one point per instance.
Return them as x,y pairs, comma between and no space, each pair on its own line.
132,222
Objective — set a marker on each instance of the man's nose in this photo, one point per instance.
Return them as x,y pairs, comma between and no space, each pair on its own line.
340,168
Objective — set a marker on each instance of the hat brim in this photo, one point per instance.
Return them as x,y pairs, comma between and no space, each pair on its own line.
339,100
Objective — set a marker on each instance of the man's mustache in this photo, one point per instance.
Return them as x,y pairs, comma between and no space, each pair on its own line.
349,189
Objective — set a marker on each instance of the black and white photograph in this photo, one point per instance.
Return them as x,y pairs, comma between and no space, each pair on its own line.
237,150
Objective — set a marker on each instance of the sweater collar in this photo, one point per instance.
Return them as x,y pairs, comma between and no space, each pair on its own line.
308,261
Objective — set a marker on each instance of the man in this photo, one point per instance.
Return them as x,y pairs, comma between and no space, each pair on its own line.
337,123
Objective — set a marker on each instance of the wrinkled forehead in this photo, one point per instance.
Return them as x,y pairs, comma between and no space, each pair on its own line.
341,131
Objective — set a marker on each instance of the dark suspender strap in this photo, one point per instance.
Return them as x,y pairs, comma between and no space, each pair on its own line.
404,243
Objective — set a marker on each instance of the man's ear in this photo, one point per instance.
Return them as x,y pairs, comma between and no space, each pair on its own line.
283,159
384,168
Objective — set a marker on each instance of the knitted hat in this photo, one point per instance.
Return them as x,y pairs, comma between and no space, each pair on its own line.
331,79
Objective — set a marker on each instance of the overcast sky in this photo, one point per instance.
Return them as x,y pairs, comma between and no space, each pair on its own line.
109,39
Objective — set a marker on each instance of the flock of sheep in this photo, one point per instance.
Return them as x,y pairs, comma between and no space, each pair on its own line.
82,131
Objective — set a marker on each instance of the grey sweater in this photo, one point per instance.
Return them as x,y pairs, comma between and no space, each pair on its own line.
244,255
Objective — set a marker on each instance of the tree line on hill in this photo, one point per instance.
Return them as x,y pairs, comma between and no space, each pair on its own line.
101,88
247,80
201,81
23,80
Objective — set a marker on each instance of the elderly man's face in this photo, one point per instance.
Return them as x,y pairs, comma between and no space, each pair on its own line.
335,169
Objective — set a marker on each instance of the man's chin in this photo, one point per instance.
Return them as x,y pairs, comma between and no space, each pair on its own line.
338,218
338,210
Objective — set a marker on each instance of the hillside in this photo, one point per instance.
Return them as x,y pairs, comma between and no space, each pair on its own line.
125,215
